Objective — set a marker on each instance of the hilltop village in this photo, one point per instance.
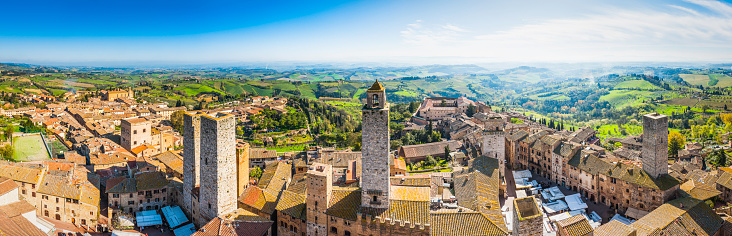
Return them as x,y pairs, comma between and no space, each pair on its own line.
128,169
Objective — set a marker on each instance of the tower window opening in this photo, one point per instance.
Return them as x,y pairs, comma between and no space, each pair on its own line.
375,100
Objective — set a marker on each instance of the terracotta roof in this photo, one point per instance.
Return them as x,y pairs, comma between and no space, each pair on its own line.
415,181
532,138
344,203
684,216
416,212
299,183
725,179
477,187
338,159
376,86
614,228
292,204
139,149
462,223
114,158
260,153
409,193
89,194
249,226
275,176
150,180
515,136
566,149
589,163
171,160
17,208
121,184
575,226
264,200
420,150
701,191
13,223
59,186
582,135
7,185
20,174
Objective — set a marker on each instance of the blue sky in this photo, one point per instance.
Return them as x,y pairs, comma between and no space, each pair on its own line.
410,31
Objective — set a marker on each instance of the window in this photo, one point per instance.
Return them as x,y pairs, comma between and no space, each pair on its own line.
316,203
333,230
157,199
134,132
33,194
57,200
163,190
23,192
58,209
156,191
130,202
209,206
140,193
33,185
627,190
375,100
91,213
130,195
140,201
347,233
144,130
115,195
375,199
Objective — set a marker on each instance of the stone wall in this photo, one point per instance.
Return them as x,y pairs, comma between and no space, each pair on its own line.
375,158
654,154
218,165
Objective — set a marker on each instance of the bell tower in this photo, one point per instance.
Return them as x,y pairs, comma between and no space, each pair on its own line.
375,149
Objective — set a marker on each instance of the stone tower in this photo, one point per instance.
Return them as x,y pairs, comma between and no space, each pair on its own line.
191,157
218,165
527,217
375,149
242,167
494,142
320,187
654,154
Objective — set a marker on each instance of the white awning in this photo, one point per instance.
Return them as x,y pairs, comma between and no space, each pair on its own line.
575,202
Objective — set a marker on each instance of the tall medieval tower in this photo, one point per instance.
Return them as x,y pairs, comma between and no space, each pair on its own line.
654,154
494,142
218,165
191,157
209,164
375,149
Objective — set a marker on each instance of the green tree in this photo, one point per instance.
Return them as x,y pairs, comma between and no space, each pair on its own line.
675,143
429,127
430,161
178,103
719,158
256,173
471,110
176,120
447,153
705,107
9,130
7,151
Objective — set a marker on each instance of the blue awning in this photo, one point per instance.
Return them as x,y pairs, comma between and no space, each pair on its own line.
174,215
148,218
185,230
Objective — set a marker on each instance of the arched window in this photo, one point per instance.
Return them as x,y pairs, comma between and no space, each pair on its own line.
134,132
375,100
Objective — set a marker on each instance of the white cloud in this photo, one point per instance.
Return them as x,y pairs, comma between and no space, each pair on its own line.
614,34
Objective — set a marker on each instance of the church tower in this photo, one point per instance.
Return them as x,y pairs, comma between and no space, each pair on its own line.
375,149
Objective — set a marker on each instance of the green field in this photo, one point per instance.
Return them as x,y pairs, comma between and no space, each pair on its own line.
194,89
637,84
29,148
714,80
623,98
